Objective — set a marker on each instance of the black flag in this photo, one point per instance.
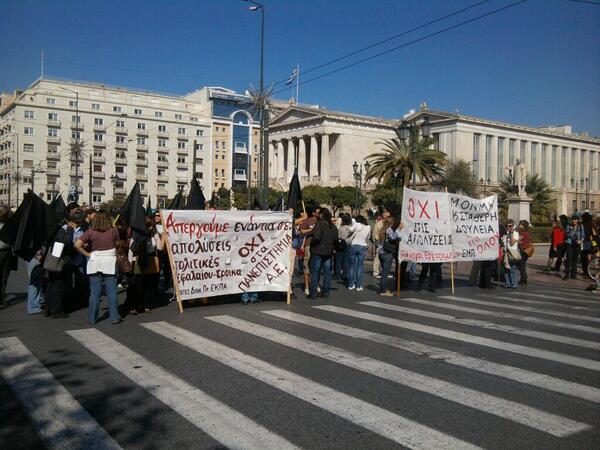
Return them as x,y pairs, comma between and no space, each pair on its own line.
195,199
295,191
177,202
256,205
149,208
30,227
134,214
59,209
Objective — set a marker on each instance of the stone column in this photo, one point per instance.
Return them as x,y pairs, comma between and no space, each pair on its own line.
325,158
291,158
273,172
302,157
280,167
494,161
314,158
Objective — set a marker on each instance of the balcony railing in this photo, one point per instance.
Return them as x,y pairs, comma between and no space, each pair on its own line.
76,173
53,172
120,130
162,178
99,127
121,161
141,132
77,125
182,151
53,156
162,164
120,191
141,177
241,149
101,175
239,177
141,162
182,165
163,134
100,144
121,145
162,150
97,190
141,147
53,123
99,159
53,139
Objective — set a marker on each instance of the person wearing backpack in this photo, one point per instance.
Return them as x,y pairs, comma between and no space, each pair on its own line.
389,239
342,258
361,231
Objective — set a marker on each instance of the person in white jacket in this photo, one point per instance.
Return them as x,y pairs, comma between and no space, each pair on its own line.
360,232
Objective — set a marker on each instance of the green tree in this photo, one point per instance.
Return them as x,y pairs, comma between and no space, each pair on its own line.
383,196
536,188
113,205
396,155
342,196
316,195
458,178
223,198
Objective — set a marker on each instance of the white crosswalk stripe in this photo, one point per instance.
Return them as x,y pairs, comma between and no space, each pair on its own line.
481,323
469,338
59,419
523,308
572,296
572,302
528,377
506,409
537,302
218,420
383,422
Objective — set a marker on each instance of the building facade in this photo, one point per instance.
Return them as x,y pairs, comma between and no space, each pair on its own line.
100,139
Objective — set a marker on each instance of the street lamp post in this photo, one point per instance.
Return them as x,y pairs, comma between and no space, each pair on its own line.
396,175
263,165
411,131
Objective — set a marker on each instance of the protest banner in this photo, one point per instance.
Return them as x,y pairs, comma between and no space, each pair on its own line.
443,227
216,253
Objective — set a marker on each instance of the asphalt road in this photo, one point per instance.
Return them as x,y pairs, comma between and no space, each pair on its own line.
492,369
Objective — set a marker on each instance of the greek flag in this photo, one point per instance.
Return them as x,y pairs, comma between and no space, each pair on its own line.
293,76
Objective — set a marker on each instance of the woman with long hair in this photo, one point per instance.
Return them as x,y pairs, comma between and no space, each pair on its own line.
146,267
361,231
101,238
342,256
389,238
324,235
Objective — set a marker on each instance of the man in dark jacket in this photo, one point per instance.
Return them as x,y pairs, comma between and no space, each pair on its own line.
322,244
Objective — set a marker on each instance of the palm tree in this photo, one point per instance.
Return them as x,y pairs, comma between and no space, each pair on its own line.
458,178
536,188
396,155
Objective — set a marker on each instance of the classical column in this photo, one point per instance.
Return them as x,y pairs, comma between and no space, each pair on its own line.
325,158
302,157
291,158
274,173
280,167
314,158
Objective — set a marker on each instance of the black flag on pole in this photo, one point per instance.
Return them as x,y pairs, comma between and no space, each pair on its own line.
177,202
29,227
149,208
59,209
134,214
295,191
195,199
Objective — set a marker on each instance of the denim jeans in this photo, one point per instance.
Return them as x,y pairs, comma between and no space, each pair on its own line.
110,284
341,264
357,260
386,260
316,263
249,297
36,295
513,275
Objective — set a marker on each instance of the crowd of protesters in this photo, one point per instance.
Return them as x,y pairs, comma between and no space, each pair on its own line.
92,253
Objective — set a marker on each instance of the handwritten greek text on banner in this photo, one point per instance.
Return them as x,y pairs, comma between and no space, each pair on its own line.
228,252
440,227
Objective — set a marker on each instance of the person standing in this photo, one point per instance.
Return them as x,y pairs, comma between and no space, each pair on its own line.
573,239
324,235
586,244
342,258
56,264
305,228
36,287
361,231
526,249
146,266
375,233
101,240
512,255
6,256
389,239
557,245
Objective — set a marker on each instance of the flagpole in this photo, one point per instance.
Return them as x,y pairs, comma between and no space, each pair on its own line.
297,84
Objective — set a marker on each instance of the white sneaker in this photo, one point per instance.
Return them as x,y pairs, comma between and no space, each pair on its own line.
351,288
359,289
306,291
318,289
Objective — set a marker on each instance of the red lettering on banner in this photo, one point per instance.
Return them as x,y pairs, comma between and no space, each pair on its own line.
411,207
437,210
423,209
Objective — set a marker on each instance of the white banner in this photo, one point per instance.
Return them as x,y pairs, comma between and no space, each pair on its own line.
228,252
441,227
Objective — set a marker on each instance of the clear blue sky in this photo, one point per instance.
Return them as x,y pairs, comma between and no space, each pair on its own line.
537,63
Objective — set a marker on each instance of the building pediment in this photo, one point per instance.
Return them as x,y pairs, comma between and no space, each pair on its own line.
294,114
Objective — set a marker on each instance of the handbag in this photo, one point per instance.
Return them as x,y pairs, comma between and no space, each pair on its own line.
152,268
122,250
513,255
340,245
53,263
529,251
390,245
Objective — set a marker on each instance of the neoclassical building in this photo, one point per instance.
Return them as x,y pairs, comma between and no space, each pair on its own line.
324,144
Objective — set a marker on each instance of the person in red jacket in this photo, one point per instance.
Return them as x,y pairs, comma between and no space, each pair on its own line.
557,245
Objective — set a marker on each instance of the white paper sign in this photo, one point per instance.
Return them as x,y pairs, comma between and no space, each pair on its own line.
229,252
441,227
57,249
